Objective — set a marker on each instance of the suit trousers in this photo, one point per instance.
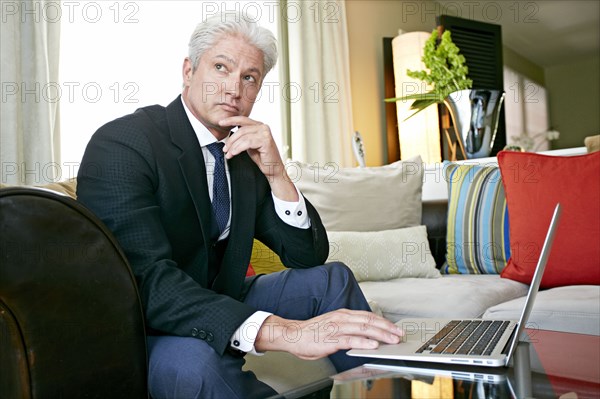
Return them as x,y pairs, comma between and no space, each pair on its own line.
186,367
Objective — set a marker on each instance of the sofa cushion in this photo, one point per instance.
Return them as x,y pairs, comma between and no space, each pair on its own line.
363,199
263,260
534,183
571,309
448,296
384,255
477,230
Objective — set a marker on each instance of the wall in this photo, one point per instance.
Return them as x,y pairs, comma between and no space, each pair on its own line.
368,23
574,91
523,66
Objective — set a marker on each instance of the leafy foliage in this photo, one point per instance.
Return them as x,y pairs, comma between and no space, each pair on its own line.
446,72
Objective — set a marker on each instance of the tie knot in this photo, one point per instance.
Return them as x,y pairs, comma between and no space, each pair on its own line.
216,149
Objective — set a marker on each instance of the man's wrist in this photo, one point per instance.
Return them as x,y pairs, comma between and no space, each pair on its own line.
244,337
271,334
283,188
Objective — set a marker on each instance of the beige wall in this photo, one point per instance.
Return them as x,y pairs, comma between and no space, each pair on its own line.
368,23
523,66
574,96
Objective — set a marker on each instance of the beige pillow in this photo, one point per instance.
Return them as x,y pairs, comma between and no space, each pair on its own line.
363,199
384,255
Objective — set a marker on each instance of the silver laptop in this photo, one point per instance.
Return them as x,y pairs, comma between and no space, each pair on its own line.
479,342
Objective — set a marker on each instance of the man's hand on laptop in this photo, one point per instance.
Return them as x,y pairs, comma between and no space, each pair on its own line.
326,334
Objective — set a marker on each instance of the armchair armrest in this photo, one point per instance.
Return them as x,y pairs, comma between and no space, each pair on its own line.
71,322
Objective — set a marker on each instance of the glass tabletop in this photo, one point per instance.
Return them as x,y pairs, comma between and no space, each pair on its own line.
550,365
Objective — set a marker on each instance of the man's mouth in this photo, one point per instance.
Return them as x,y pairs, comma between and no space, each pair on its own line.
230,108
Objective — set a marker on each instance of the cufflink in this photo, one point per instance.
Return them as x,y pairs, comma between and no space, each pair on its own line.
235,352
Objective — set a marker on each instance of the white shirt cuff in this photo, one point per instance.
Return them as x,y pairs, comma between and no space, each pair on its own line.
243,338
292,213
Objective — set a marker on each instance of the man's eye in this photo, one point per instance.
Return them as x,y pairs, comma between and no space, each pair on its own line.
220,67
250,79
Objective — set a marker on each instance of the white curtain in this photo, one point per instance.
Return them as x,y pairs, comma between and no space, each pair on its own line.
317,99
29,122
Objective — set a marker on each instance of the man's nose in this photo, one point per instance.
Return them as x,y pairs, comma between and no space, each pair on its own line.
232,86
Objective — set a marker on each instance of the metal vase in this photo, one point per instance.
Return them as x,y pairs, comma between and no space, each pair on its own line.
475,116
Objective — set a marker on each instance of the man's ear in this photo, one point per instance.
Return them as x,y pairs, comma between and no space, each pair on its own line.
187,71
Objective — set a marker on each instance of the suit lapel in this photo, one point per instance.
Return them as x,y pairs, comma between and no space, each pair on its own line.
243,215
191,163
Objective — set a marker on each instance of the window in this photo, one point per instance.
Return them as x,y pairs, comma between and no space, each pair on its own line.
117,56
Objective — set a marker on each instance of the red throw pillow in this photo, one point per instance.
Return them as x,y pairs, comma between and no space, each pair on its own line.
533,184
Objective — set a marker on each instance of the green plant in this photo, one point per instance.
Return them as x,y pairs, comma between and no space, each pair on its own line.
446,72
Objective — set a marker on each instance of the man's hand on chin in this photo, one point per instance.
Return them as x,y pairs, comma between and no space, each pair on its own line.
324,335
255,138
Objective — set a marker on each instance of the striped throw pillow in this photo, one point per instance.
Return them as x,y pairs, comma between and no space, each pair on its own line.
477,237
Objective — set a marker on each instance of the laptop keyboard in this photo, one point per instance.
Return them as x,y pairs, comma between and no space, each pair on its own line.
466,337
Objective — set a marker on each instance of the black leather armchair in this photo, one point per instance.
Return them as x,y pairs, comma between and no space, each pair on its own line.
71,322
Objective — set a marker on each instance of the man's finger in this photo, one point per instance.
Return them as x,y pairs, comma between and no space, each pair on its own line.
238,121
368,318
363,343
367,331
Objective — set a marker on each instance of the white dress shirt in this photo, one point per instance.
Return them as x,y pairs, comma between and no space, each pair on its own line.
292,213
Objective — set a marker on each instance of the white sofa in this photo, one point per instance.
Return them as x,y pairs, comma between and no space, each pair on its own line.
573,309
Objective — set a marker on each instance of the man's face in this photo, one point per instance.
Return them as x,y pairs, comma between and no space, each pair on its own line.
225,83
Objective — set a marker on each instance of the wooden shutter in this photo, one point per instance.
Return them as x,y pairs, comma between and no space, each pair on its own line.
481,44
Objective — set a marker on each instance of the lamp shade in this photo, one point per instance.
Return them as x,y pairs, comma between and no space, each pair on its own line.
419,134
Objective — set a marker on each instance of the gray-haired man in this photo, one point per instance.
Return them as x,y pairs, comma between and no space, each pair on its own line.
152,183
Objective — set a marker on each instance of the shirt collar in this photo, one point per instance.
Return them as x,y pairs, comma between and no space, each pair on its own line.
205,137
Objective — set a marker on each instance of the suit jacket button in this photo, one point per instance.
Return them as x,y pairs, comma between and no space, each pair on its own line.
202,334
194,332
210,337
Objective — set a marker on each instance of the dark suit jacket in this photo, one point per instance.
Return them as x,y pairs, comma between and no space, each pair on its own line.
144,175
